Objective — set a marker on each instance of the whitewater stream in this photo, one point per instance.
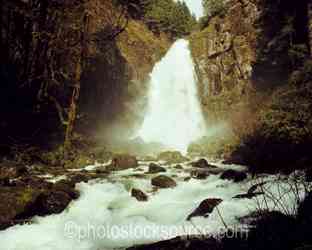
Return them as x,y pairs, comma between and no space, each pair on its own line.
106,217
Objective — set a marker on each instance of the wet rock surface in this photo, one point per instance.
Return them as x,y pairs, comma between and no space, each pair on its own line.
26,192
186,179
51,202
202,163
163,181
205,208
200,174
139,195
122,162
153,168
233,175
30,196
179,166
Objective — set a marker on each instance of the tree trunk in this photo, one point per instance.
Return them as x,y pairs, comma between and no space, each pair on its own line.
73,107
76,90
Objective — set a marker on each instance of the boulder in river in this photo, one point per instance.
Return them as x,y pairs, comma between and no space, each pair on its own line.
179,167
233,175
172,157
199,174
153,168
139,195
163,181
68,188
202,163
52,202
205,208
30,196
122,162
187,179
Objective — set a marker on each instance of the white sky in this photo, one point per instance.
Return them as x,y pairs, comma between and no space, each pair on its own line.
195,6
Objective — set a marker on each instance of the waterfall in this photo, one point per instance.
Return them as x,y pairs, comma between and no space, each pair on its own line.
174,116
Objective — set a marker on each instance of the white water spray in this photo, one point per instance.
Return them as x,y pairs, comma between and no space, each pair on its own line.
174,116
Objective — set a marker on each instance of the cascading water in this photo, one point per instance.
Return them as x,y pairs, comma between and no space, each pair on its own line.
174,116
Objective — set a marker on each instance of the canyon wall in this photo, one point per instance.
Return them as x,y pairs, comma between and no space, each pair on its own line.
223,53
253,62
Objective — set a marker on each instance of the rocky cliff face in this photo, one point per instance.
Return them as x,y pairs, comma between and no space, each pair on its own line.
248,47
253,63
224,53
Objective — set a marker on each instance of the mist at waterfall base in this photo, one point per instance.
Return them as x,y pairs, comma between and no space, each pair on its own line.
174,116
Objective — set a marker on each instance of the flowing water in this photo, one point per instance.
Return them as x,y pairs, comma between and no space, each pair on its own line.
174,116
106,217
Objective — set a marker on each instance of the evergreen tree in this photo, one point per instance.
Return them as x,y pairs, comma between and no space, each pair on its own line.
213,7
169,16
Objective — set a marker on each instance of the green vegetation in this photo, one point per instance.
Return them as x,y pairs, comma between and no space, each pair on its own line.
167,16
171,17
211,9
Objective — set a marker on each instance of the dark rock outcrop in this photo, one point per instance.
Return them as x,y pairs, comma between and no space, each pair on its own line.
179,166
233,175
139,195
202,163
186,179
154,169
163,181
51,202
122,162
252,60
27,197
199,174
205,208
